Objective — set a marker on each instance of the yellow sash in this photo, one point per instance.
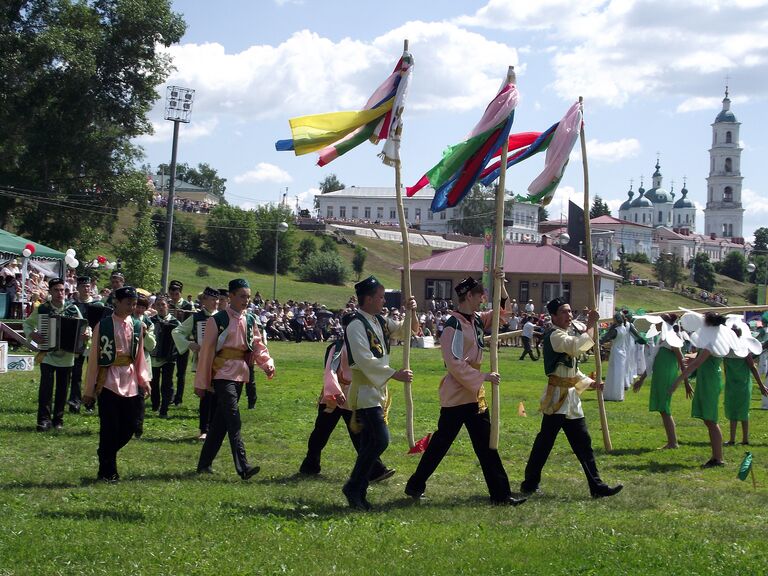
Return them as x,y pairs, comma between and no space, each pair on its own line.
101,378
226,354
557,382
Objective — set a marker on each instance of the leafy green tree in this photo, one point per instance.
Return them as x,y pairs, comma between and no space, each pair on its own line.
543,214
624,270
325,268
186,237
328,244
734,265
476,211
599,208
669,270
761,239
307,247
78,81
140,259
331,183
358,260
704,272
231,235
268,218
204,176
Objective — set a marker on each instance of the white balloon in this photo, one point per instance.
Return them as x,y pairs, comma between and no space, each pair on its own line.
95,263
75,263
26,252
71,252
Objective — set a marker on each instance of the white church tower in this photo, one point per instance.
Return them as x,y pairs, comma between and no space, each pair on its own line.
723,215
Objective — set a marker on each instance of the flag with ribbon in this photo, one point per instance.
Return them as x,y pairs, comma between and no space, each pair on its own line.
335,133
461,165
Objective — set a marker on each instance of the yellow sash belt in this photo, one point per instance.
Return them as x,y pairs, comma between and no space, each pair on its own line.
555,382
101,378
226,354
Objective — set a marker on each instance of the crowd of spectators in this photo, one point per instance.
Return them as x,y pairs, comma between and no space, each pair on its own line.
183,204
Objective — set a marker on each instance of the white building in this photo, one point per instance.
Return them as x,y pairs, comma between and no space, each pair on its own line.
379,206
724,215
685,245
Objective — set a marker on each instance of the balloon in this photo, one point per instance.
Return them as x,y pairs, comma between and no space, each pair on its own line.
101,259
74,263
30,247
26,253
69,259
111,265
71,252
94,264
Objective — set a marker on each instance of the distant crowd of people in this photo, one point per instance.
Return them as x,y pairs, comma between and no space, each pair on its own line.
183,204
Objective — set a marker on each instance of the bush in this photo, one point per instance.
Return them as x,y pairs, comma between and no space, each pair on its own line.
231,235
639,257
202,272
307,248
328,244
185,236
324,268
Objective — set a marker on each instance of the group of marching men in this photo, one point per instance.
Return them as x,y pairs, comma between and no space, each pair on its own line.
355,383
727,357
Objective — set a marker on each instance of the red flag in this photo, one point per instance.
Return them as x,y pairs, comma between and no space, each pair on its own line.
421,445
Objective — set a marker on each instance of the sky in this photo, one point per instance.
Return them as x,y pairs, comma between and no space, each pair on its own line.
652,74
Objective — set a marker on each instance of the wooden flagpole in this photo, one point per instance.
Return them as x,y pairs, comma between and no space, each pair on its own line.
493,444
592,295
407,292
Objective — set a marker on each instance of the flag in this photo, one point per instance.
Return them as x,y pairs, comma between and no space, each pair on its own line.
421,445
746,466
576,228
461,165
335,133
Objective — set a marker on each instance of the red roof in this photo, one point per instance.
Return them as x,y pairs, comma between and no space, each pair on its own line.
608,219
518,259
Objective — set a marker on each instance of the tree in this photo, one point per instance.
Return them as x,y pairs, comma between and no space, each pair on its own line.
476,212
328,244
543,214
307,247
599,208
624,270
669,270
204,176
325,268
231,235
140,260
267,220
734,265
186,237
78,82
330,184
704,272
358,260
761,240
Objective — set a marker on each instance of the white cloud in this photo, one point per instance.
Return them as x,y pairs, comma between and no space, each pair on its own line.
613,151
698,103
754,203
616,50
163,131
307,198
456,70
264,172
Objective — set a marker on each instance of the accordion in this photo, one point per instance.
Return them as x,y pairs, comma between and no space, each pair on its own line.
62,333
165,348
93,313
180,314
201,332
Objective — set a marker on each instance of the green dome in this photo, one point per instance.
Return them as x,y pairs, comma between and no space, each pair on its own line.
684,202
626,205
725,116
641,201
658,196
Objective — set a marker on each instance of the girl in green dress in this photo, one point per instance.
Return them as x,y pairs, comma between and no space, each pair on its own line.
739,369
713,340
663,364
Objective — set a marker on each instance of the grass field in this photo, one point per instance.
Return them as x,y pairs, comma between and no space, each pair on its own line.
672,517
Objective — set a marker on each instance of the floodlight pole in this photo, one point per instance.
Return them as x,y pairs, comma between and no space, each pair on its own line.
169,210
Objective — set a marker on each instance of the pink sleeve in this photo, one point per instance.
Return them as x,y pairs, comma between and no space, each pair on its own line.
206,354
143,373
331,388
461,371
260,355
487,317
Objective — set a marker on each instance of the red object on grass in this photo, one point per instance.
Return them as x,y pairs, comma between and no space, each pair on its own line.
421,445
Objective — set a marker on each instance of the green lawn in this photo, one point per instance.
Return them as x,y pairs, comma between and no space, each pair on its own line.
672,516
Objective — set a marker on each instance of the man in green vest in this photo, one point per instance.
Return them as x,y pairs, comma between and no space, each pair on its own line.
56,364
176,302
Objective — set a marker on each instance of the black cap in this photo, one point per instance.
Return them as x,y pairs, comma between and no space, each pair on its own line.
211,292
54,282
238,283
466,285
125,292
83,280
174,285
117,274
163,297
223,292
554,305
367,286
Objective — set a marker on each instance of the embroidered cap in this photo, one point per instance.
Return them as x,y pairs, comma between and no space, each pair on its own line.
223,293
55,282
465,286
117,274
238,283
211,292
83,280
367,286
554,305
125,292
175,285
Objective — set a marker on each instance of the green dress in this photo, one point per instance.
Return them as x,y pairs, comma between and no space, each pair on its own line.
709,384
738,388
665,371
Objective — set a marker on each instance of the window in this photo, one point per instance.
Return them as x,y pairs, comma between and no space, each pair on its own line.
643,218
660,217
405,212
728,138
635,217
367,213
342,211
687,217
678,218
438,289
418,214
329,212
551,290
430,215
354,211
728,194
392,214
379,212
728,165
442,215
524,291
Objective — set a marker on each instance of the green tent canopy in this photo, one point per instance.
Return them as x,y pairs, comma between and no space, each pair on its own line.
12,245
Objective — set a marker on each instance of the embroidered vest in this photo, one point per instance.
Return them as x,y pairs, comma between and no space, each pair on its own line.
107,346
334,348
377,347
552,358
222,321
70,310
457,346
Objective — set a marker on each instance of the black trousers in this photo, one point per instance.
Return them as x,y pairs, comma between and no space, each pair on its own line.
527,349
250,388
479,430
182,360
75,390
117,424
226,422
581,444
162,387
207,407
45,393
374,439
325,424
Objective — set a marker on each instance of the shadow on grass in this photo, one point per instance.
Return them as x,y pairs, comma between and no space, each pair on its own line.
298,478
93,514
15,410
161,440
30,485
629,451
657,467
67,432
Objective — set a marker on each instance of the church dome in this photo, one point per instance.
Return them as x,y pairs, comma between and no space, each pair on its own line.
641,201
628,202
658,196
725,114
684,202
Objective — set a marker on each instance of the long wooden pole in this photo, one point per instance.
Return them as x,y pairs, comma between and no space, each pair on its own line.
592,295
407,292
493,444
